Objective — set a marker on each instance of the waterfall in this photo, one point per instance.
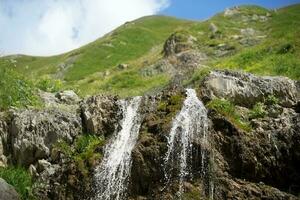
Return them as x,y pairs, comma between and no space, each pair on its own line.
190,125
111,176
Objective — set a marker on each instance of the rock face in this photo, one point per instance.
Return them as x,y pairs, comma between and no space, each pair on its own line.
100,114
3,140
7,192
262,163
34,132
246,89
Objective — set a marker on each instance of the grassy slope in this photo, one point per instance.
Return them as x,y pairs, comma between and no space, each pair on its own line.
93,68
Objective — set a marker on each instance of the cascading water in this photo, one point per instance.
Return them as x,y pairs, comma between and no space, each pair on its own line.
189,125
111,176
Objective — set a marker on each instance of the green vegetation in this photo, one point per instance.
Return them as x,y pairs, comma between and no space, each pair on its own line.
84,152
271,100
279,52
228,110
93,68
256,40
20,179
48,84
15,90
258,111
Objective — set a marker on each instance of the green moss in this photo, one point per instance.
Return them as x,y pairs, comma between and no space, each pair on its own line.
20,179
192,195
227,109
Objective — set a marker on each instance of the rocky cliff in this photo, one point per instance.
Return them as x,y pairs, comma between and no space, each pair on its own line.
253,149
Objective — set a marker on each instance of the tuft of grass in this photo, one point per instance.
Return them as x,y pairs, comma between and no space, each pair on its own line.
198,76
20,179
227,109
49,84
83,152
258,111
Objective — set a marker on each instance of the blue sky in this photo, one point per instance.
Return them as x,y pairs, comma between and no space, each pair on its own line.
49,27
203,9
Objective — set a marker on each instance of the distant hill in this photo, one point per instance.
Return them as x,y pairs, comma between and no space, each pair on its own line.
250,38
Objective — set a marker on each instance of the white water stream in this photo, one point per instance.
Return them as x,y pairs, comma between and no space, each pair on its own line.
112,175
189,125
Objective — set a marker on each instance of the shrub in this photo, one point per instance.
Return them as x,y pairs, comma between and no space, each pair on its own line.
258,111
271,100
49,85
83,152
15,90
20,179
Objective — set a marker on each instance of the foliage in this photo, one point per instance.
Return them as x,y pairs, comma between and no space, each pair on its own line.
15,90
198,76
227,109
83,152
271,100
48,84
258,111
20,179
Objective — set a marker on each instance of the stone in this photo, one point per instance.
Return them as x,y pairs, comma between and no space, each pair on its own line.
123,66
7,192
248,32
100,115
34,132
246,89
68,97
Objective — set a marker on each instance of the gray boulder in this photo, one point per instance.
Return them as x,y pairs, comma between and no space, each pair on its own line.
7,192
100,114
34,132
246,89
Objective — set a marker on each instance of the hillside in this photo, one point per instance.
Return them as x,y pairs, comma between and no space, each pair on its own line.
249,38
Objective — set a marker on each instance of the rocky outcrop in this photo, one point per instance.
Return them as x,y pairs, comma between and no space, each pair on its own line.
177,43
3,139
33,133
246,89
100,115
7,192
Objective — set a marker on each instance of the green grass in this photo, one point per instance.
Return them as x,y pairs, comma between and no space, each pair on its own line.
278,54
16,91
82,69
83,152
20,179
92,69
228,110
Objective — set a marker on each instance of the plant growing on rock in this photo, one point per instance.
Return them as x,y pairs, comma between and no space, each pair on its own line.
84,152
258,111
227,109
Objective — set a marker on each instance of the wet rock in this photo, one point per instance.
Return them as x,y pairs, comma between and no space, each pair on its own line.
100,115
246,89
34,132
7,192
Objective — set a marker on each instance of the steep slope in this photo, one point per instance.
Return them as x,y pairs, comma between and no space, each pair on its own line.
87,67
129,61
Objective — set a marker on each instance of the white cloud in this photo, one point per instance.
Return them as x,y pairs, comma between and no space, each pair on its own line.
47,27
